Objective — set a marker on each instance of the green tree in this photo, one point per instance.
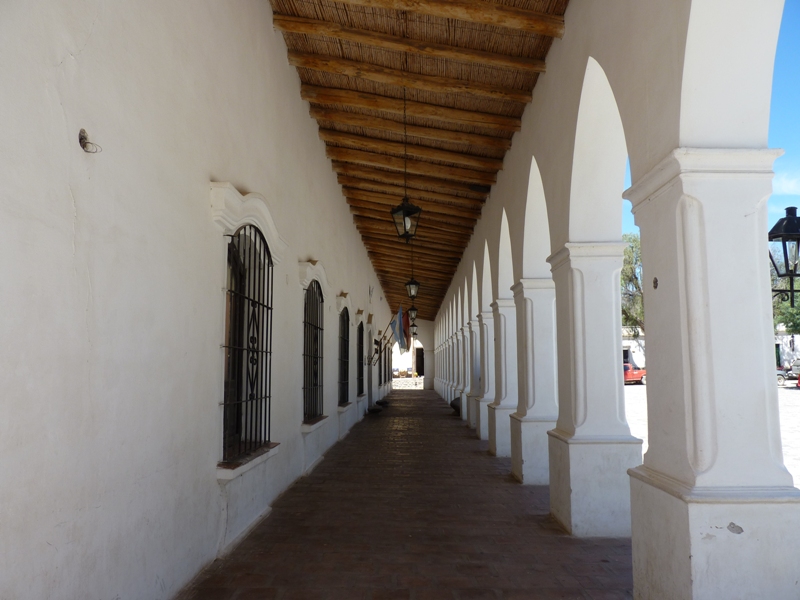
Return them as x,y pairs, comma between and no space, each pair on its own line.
631,281
782,311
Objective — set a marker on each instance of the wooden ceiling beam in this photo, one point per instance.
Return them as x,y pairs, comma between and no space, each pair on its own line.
387,76
368,186
428,214
475,11
419,265
356,99
382,243
446,191
378,223
399,44
432,210
404,266
441,239
376,226
431,224
428,133
416,167
382,146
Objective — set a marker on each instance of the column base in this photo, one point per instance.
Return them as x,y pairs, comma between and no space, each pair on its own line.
589,494
530,462
703,544
463,399
500,430
482,419
472,411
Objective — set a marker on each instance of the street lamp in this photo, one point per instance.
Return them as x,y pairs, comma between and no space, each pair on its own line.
784,240
406,219
412,313
412,287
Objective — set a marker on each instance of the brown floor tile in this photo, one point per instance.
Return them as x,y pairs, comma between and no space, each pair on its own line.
411,506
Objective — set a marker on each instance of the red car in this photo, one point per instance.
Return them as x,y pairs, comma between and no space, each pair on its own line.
634,375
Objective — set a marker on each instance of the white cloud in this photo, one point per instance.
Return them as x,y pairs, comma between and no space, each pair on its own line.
786,184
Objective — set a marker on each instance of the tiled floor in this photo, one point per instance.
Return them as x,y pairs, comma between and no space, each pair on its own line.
410,506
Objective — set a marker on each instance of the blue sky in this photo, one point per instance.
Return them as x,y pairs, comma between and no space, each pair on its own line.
784,122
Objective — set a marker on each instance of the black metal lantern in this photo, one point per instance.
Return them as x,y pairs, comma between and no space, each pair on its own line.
784,242
413,329
412,313
412,287
406,219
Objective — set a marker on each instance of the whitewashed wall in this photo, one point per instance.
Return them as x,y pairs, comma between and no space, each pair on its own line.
112,272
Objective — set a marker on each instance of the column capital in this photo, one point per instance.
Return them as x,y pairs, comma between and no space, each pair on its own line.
702,162
585,250
502,303
541,283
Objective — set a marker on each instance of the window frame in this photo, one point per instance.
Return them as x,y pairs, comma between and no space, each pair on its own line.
247,345
313,352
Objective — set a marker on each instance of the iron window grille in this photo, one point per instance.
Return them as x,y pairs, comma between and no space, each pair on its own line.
360,358
248,345
344,357
312,353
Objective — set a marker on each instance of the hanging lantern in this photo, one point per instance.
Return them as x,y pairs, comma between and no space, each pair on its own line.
412,313
412,287
413,329
406,219
784,239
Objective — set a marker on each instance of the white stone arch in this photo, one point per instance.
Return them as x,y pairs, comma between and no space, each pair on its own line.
505,261
474,304
726,38
598,163
230,210
486,280
342,302
536,236
311,270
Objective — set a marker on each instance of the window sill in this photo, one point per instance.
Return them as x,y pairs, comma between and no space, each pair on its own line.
362,396
313,425
343,408
225,473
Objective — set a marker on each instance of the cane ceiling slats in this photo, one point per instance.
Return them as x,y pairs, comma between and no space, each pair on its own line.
467,68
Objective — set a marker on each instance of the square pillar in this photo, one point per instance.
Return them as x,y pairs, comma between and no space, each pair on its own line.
475,373
714,511
591,447
537,372
505,368
486,320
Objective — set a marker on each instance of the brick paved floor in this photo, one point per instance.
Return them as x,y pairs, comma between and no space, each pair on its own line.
410,506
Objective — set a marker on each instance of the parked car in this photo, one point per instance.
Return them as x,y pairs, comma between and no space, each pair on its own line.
395,372
632,374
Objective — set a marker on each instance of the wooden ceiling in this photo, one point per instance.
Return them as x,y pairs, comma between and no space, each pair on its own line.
467,69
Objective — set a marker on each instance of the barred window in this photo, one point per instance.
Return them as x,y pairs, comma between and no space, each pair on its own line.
248,345
380,367
360,359
344,357
312,353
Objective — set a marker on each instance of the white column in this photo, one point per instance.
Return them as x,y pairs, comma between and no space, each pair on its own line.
486,320
713,508
464,368
474,372
591,447
537,372
505,396
448,385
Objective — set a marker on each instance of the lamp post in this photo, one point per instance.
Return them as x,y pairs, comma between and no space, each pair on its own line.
784,239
